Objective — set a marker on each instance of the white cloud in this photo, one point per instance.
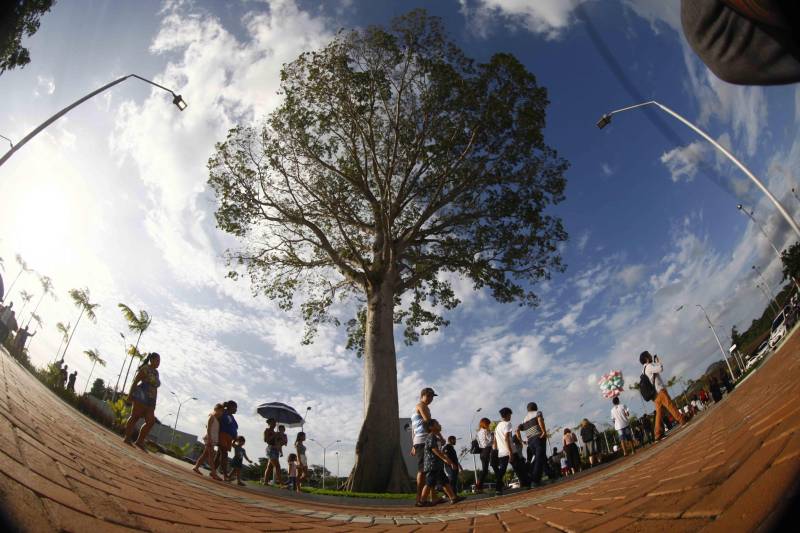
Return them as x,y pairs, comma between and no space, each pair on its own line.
545,17
631,275
682,162
607,170
583,240
744,109
657,12
44,85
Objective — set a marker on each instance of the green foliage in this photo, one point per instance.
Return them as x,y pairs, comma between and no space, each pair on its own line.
791,261
393,162
98,389
179,451
121,412
368,495
18,20
748,341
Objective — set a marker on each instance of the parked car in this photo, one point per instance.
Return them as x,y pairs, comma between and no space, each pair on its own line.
762,350
778,330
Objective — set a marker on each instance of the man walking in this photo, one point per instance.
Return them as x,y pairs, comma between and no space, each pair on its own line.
419,418
653,369
536,436
502,442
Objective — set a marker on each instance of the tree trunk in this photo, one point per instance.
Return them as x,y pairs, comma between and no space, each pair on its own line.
130,364
63,355
89,378
379,465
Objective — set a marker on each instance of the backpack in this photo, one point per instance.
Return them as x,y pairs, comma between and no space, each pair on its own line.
646,388
474,448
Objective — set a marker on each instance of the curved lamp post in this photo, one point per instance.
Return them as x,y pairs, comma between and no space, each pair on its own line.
176,99
11,144
606,119
721,349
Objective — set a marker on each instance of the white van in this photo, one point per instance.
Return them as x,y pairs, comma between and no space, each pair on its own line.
778,329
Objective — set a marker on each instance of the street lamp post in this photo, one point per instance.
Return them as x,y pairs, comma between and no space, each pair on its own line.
769,300
474,461
337,469
324,455
769,294
178,415
176,99
304,418
11,144
760,226
606,119
721,349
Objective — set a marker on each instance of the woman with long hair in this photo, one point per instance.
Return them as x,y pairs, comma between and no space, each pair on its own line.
571,451
143,395
484,437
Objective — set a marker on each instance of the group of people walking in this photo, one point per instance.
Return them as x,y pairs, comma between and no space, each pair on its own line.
522,447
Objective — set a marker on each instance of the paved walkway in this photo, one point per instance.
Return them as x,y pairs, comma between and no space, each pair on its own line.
733,469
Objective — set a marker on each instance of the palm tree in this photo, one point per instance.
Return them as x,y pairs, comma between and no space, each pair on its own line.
136,324
26,297
47,288
94,357
23,267
80,297
64,330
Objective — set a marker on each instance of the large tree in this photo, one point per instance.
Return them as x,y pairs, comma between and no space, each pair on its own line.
19,19
393,163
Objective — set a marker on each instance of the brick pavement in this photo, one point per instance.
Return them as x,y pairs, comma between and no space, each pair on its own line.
734,468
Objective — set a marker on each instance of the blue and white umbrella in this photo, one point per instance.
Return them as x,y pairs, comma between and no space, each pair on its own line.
282,413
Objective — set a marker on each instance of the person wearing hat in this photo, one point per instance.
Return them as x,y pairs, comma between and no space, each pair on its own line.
419,418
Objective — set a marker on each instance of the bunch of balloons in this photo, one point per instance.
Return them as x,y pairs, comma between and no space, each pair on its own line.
612,384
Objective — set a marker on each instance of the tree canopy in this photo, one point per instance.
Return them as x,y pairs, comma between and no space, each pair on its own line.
395,159
19,19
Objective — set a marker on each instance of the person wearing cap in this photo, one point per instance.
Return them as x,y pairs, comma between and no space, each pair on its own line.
419,418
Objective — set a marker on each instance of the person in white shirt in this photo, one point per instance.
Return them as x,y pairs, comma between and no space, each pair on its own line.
502,443
620,415
653,370
485,439
536,436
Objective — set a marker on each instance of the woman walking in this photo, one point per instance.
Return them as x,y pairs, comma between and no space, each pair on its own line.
484,437
143,395
571,451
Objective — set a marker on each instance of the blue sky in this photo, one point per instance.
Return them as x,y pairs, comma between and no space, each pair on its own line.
114,197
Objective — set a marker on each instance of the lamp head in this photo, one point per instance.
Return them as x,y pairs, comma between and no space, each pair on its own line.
179,102
604,121
739,207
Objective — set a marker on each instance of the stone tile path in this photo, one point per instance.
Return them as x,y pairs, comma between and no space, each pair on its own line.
732,469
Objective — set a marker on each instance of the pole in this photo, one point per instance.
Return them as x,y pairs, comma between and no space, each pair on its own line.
324,455
124,360
769,300
721,349
172,440
782,210
474,461
605,435
177,98
764,233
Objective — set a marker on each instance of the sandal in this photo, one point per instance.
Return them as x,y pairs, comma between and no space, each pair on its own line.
422,504
141,446
196,471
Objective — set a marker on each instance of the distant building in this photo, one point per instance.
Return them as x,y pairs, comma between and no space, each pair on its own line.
162,435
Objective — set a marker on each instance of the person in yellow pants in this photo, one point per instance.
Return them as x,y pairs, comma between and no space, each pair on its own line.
653,369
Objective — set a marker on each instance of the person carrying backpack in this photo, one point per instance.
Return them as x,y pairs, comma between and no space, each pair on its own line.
652,389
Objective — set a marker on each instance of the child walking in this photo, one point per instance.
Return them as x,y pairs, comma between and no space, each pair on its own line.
620,414
293,484
236,463
433,464
211,438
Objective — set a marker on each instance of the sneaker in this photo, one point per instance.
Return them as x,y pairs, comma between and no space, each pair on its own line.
457,499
